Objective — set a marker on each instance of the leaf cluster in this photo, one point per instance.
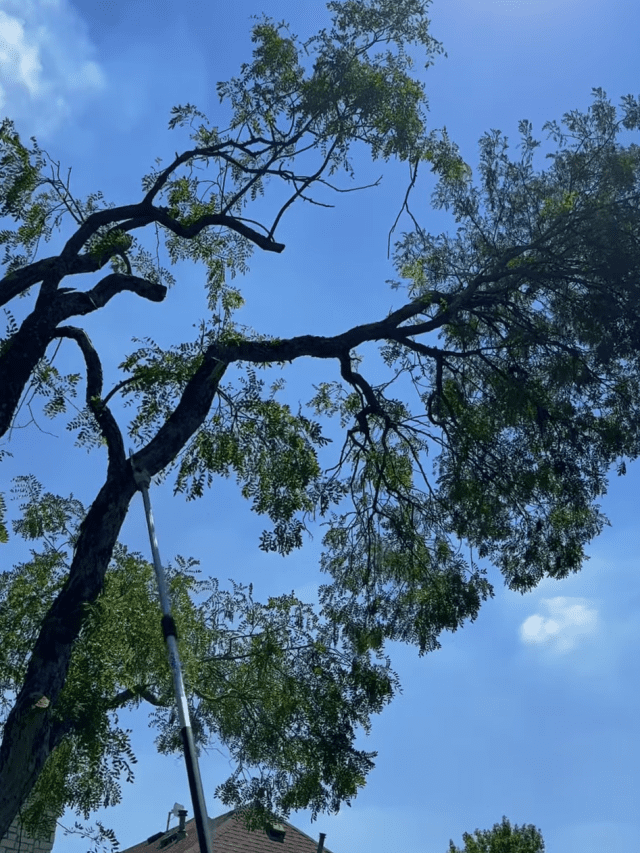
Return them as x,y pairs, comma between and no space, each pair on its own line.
352,93
535,388
273,455
265,682
503,838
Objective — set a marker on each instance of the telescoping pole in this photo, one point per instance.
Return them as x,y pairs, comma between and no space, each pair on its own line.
171,641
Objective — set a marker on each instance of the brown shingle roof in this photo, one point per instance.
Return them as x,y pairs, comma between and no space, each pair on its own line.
231,836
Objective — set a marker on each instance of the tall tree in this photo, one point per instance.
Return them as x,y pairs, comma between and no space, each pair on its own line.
264,680
527,389
503,838
62,654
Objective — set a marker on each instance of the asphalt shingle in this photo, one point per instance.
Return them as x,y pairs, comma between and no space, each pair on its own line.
231,836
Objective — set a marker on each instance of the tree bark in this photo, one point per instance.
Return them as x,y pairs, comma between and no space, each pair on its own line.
31,733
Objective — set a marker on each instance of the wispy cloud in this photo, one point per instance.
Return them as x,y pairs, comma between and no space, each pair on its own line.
47,67
562,624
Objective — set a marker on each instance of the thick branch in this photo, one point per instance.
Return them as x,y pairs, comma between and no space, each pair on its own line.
18,361
188,415
31,732
77,303
30,342
268,352
17,282
161,216
98,219
108,424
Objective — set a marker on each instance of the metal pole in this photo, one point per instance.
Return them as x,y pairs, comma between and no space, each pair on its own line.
171,640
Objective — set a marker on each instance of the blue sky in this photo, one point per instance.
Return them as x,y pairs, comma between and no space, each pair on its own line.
530,712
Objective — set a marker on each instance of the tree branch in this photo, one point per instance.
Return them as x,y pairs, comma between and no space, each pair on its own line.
108,424
18,281
188,415
77,303
139,691
268,352
161,215
56,268
30,342
305,183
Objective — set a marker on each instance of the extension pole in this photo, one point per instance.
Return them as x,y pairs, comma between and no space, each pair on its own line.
171,639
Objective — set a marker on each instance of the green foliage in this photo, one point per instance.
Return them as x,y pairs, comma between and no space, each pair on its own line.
537,393
552,209
266,682
11,329
273,454
528,391
351,94
502,839
19,177
57,388
27,591
19,174
108,242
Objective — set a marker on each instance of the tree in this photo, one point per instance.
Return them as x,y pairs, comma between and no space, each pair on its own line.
265,680
502,839
528,392
302,692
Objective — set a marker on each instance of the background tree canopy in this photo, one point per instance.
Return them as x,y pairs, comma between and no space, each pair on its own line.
503,838
523,395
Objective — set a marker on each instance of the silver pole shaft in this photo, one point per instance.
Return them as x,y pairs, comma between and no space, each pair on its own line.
171,640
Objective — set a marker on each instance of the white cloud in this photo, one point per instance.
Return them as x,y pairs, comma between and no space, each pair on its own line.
46,64
566,621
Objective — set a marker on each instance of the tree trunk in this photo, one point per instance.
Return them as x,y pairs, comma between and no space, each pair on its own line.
31,733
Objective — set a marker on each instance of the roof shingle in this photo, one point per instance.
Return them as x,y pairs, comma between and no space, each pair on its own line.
230,835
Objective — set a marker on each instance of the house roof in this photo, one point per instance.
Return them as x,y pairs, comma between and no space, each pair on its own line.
231,836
